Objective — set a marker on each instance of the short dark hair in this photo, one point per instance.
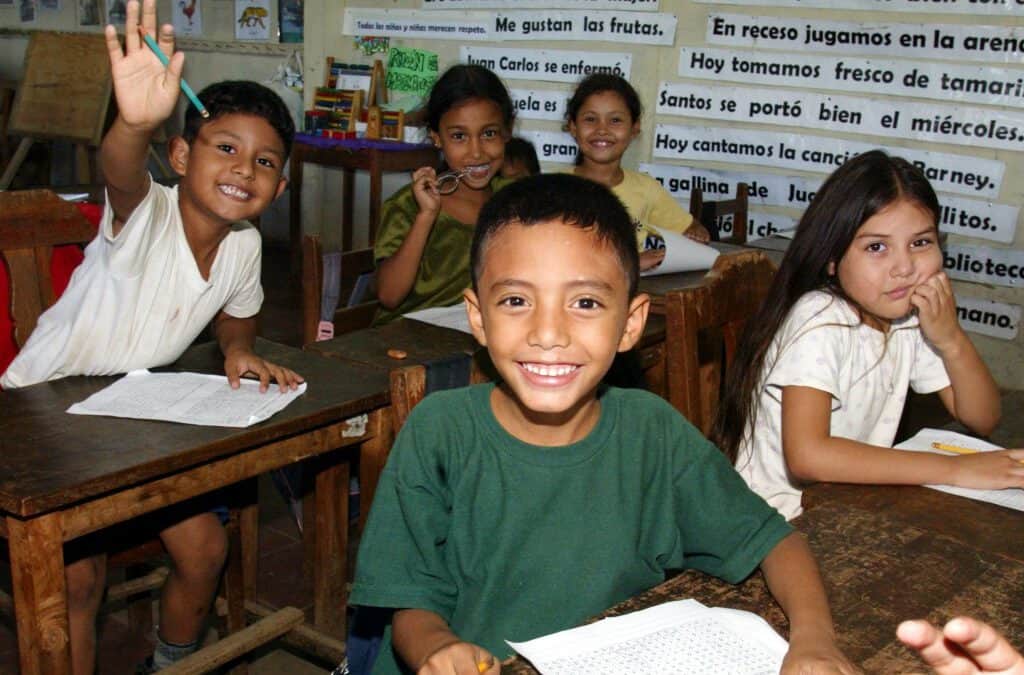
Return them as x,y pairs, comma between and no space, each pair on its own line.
521,150
462,83
574,201
596,83
244,97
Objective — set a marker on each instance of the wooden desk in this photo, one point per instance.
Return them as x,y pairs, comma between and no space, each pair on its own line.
421,342
374,157
880,567
62,476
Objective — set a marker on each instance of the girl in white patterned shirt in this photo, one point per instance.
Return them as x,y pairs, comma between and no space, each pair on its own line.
859,310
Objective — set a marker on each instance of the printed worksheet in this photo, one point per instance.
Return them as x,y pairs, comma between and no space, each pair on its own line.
682,636
447,317
188,398
1011,498
683,254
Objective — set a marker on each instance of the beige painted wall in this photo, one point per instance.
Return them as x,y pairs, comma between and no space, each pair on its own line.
654,64
650,66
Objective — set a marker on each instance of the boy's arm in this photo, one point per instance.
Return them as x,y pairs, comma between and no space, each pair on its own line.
972,397
146,95
793,579
812,453
426,643
235,337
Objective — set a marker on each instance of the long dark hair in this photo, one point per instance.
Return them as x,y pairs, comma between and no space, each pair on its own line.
856,191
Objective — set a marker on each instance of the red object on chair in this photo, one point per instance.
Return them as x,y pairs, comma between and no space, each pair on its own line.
62,264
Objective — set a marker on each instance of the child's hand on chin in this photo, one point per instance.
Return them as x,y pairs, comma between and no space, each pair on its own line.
651,258
460,658
936,309
814,657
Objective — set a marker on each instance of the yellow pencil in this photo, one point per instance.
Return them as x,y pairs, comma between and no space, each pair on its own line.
959,450
954,448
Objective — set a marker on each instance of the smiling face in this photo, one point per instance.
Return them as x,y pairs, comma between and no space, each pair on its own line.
891,254
552,309
231,171
472,137
604,127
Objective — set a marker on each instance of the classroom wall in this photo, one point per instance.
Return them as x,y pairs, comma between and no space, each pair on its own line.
965,39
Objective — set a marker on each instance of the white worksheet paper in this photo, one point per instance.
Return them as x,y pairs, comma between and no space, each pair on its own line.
447,317
189,398
682,636
683,254
1011,498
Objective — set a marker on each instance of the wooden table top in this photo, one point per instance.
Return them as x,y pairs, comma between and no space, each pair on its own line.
879,569
421,342
50,459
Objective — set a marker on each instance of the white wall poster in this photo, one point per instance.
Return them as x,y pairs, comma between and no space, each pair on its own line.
959,42
539,104
972,7
947,172
619,5
252,19
549,65
999,266
987,317
921,79
552,146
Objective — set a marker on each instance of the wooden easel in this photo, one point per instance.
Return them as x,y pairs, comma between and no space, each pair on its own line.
64,95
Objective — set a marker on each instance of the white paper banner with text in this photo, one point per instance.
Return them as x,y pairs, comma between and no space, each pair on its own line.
972,7
549,65
947,172
618,5
987,317
958,42
539,104
999,266
942,81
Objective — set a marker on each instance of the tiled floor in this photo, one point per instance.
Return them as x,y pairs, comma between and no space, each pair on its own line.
281,580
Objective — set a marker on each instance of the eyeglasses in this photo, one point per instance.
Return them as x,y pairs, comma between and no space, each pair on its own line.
448,182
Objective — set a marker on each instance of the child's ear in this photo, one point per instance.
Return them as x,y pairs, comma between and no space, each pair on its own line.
636,129
281,185
177,152
832,268
476,317
435,138
636,319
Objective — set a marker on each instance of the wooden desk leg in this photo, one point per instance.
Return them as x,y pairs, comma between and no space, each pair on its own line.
348,192
331,568
295,211
40,596
373,454
375,190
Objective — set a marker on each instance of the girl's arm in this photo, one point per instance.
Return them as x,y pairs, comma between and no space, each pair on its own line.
793,579
813,454
972,397
426,643
396,274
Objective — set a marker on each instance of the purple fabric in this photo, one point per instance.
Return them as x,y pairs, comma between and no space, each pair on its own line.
357,143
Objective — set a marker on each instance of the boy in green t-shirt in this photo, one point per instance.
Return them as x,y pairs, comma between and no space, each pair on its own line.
513,510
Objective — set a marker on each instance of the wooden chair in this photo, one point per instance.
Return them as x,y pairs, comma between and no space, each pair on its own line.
703,329
32,222
353,313
710,212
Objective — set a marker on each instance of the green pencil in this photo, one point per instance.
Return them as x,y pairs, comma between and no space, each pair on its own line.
155,48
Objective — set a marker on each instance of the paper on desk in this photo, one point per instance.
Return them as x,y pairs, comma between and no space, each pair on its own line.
189,398
447,317
683,254
682,636
1011,498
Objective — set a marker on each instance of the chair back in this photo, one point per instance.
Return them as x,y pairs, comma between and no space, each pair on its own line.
409,386
354,311
711,212
703,326
32,222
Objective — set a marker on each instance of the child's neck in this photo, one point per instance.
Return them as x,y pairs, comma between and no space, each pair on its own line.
545,429
204,242
608,175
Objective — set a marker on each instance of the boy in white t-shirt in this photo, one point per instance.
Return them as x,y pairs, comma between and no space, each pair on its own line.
166,262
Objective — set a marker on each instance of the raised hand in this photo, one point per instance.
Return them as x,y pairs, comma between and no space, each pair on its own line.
936,310
146,91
